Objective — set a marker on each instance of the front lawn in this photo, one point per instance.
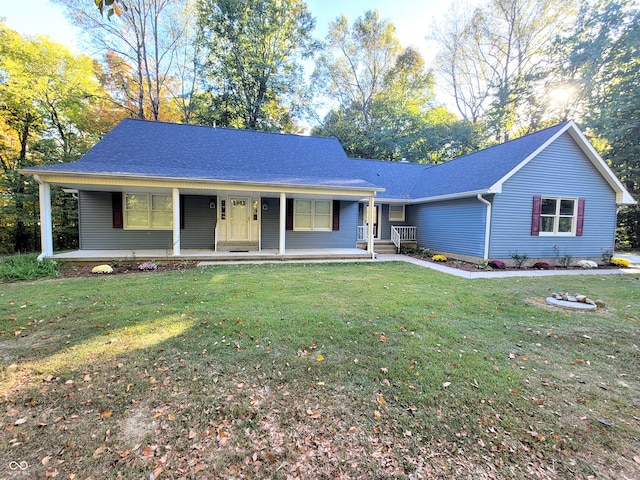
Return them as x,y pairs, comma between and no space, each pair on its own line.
318,371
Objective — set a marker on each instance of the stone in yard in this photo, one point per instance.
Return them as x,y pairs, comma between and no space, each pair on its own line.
587,264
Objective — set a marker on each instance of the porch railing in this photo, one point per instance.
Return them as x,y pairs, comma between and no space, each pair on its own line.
402,234
363,233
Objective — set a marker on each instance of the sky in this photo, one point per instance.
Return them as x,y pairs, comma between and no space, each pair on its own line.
412,18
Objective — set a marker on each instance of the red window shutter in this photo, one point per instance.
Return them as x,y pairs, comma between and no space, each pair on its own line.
580,222
336,215
289,214
535,216
116,208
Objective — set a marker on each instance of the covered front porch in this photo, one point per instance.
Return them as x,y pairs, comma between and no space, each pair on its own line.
93,257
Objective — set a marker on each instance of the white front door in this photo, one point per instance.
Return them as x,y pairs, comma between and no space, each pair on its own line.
239,218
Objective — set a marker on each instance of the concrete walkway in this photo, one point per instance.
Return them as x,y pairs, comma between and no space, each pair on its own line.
633,269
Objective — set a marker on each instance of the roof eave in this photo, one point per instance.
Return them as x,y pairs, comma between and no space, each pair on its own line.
452,196
76,177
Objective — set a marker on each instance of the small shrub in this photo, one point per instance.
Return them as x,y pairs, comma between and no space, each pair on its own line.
26,267
499,264
483,265
519,260
439,258
541,266
619,262
147,266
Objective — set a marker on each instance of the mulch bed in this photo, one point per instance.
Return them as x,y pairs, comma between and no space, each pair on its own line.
71,271
473,267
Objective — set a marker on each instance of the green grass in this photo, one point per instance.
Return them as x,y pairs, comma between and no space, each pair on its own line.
26,267
319,371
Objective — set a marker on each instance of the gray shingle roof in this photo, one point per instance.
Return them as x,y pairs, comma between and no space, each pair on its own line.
166,150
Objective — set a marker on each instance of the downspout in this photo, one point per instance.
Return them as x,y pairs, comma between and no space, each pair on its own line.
487,232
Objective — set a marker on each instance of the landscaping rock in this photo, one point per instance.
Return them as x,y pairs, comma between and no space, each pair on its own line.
587,264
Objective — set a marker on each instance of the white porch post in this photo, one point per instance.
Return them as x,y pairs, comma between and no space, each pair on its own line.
283,222
176,222
46,231
370,229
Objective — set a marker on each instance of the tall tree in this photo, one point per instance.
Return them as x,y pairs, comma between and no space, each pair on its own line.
145,36
382,96
253,50
602,62
48,100
491,61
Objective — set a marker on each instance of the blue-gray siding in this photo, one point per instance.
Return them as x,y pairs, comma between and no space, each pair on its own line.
561,170
343,238
97,232
455,226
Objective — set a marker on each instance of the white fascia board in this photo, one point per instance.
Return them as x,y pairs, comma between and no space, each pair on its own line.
136,180
623,197
497,187
452,196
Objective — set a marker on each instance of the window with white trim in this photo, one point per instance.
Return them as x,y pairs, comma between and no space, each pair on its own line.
558,216
396,213
146,211
312,215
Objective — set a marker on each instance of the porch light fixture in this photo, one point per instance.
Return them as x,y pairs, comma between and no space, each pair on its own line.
212,204
265,206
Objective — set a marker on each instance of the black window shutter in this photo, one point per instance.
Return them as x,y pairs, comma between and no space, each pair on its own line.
181,212
289,213
336,215
535,216
116,208
580,222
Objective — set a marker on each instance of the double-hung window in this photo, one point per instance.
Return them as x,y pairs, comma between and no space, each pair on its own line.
557,216
396,213
146,211
312,215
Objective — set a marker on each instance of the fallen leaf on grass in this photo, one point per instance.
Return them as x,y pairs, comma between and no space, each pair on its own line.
99,451
106,414
320,357
446,384
383,338
312,414
20,421
354,429
381,399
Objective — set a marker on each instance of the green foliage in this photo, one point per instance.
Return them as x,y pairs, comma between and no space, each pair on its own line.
252,50
519,260
49,100
276,360
26,267
604,67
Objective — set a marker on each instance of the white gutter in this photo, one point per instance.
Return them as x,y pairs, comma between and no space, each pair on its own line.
487,231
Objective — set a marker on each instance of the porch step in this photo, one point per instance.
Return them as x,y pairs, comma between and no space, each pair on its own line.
385,248
238,247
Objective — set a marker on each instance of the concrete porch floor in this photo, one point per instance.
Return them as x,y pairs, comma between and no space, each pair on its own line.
199,255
